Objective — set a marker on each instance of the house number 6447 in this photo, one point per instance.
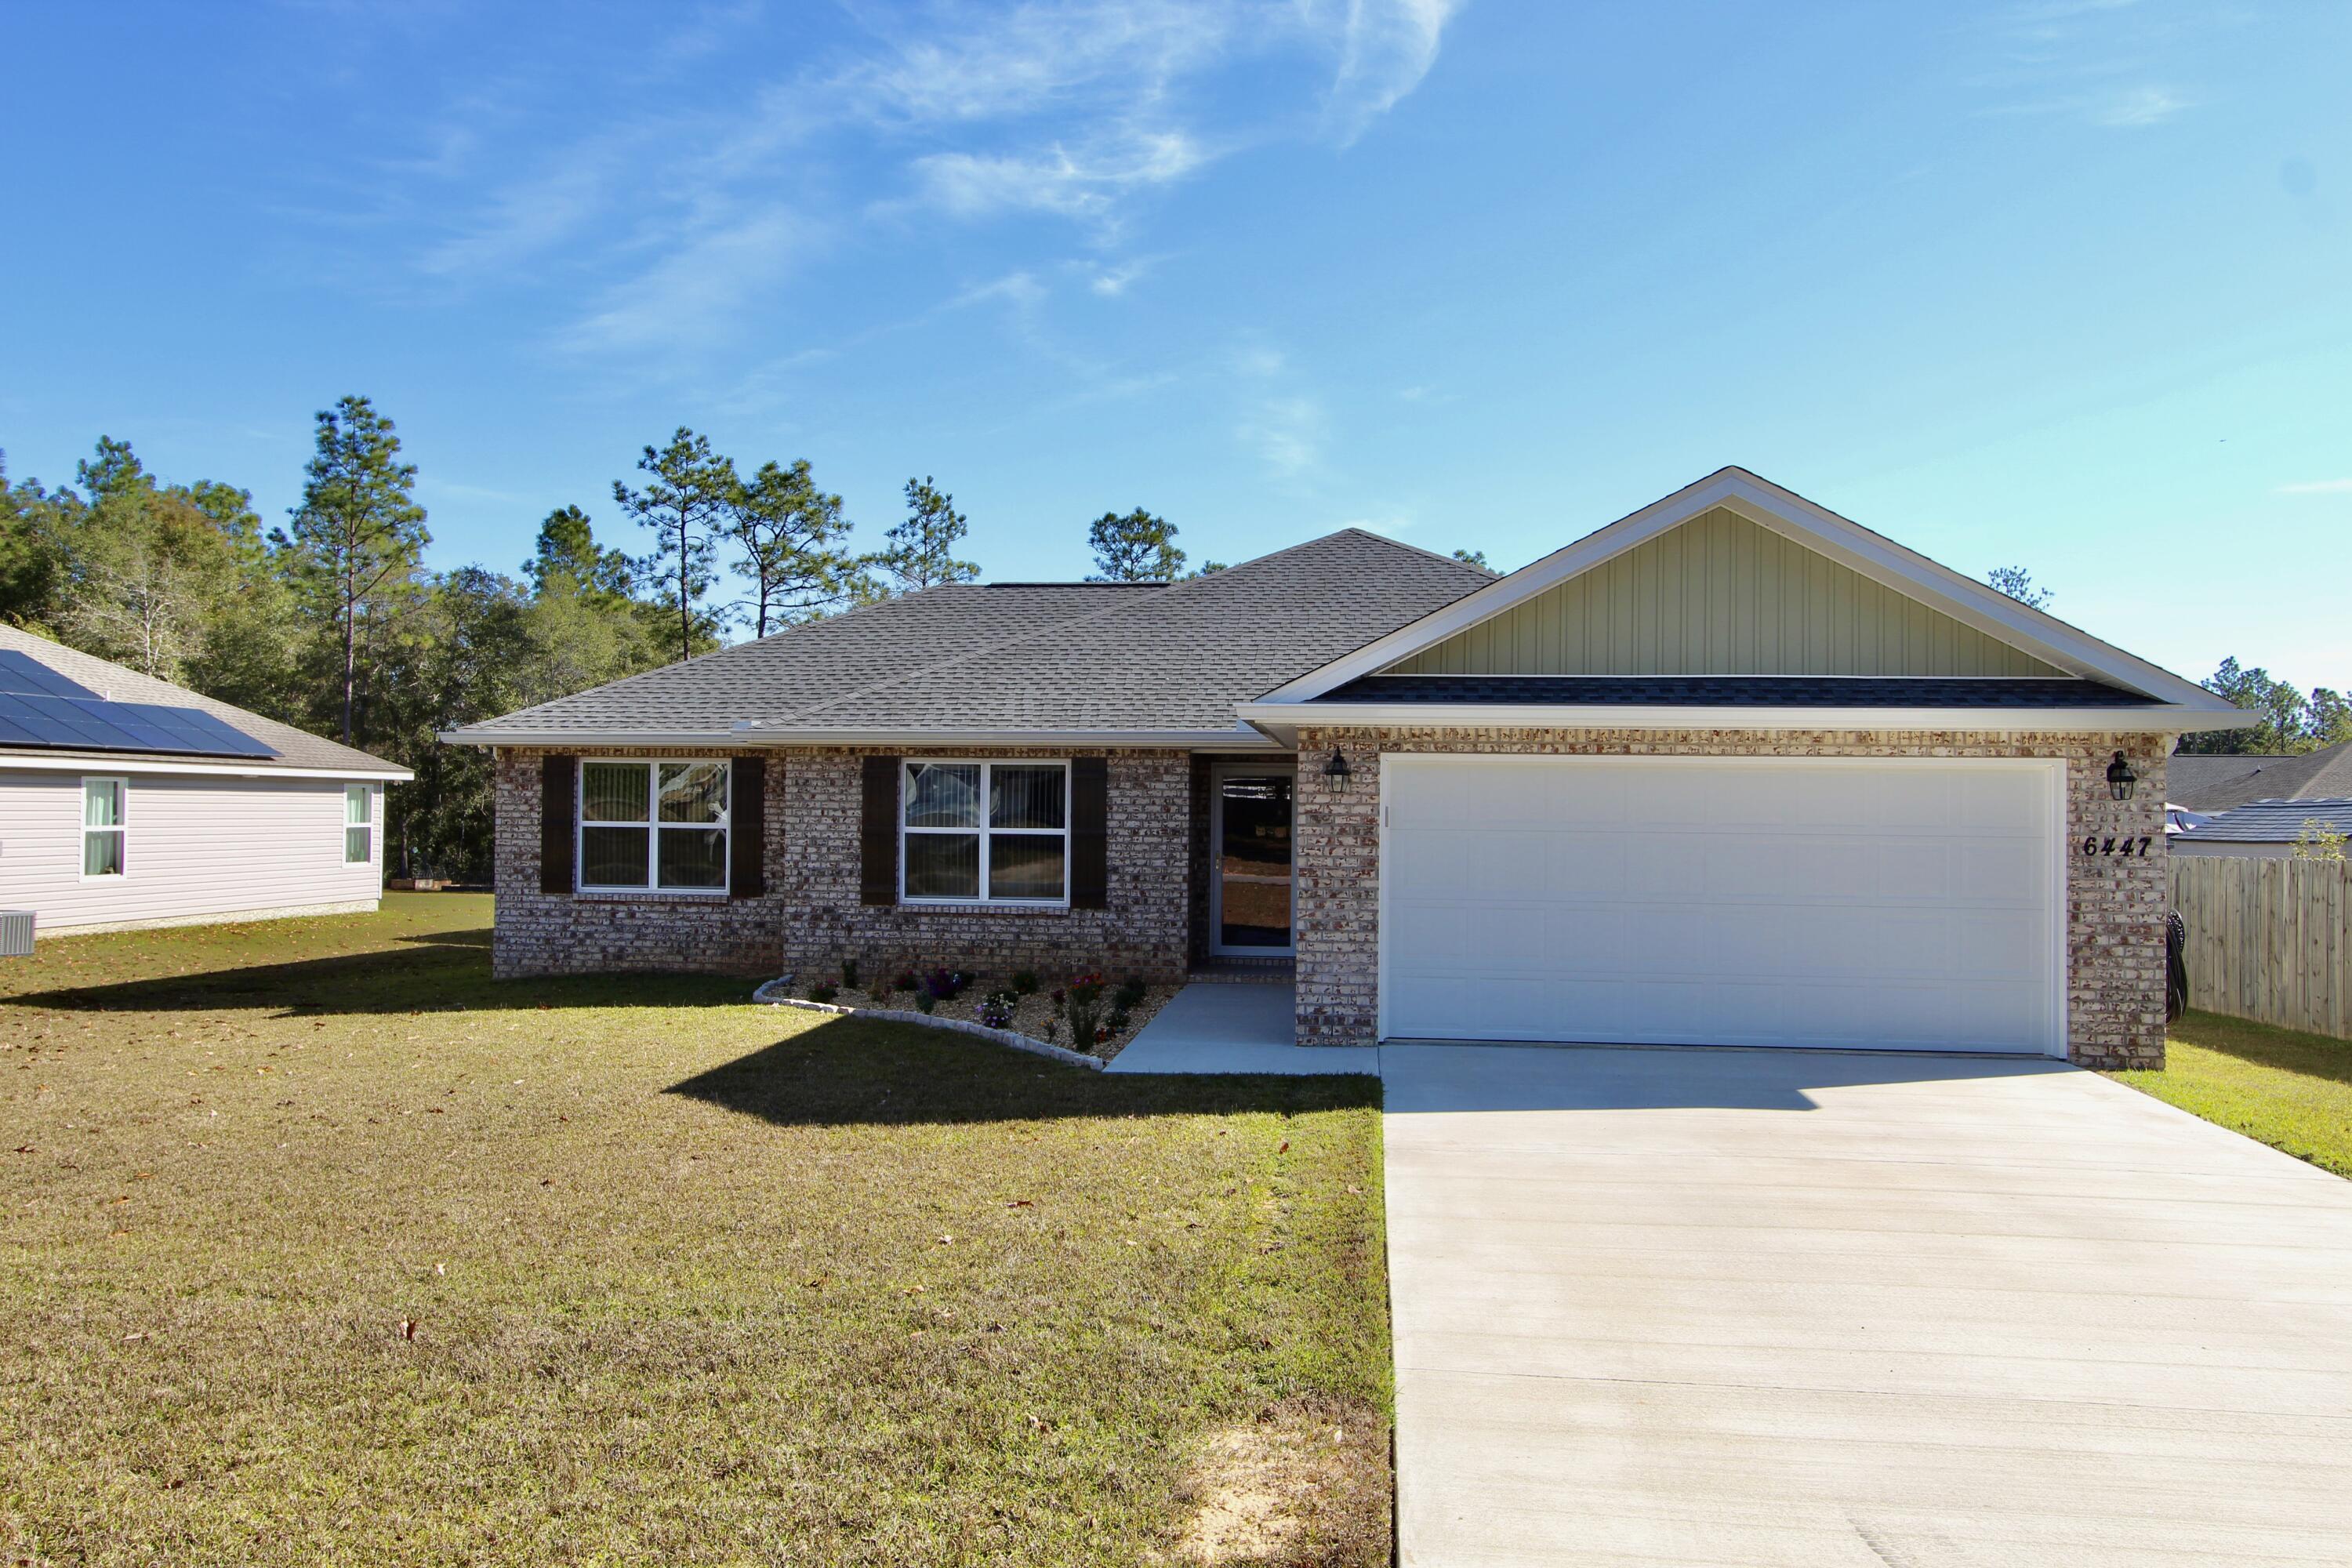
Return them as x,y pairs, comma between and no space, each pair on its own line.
2127,844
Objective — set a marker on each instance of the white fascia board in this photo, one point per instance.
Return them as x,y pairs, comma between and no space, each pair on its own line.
1238,738
96,763
1761,501
1286,717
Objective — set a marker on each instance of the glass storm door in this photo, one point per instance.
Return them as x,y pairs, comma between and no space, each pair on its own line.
1250,879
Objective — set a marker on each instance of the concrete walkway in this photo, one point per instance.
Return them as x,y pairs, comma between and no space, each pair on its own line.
1233,1026
1820,1309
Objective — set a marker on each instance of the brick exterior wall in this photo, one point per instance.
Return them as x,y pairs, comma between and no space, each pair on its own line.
811,917
2115,907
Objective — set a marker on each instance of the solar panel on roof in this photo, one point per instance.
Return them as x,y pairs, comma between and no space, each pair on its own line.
89,723
26,676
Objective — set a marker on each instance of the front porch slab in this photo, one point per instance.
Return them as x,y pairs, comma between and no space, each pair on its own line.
1213,1026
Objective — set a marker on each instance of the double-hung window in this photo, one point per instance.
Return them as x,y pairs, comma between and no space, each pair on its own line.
358,824
102,809
660,825
985,833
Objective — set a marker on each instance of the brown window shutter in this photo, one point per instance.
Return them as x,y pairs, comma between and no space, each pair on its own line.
747,829
1089,833
555,803
878,833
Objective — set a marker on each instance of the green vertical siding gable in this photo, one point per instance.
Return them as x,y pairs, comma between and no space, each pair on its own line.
1720,595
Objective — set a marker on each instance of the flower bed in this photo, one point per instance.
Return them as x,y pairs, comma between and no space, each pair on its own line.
988,1007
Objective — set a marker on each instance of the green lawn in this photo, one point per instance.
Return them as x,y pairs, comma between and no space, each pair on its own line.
688,1280
2292,1090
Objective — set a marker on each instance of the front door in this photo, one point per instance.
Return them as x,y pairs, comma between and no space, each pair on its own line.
1250,871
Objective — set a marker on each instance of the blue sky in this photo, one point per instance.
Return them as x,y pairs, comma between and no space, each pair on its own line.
2062,283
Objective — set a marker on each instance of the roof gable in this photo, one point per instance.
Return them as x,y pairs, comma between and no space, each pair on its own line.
1912,577
1719,595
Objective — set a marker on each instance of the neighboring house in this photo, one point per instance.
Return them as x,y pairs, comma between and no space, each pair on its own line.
2208,784
127,801
2267,830
1732,770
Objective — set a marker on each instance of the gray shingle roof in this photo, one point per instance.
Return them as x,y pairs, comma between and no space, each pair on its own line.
296,749
2324,774
1030,658
1742,690
2273,821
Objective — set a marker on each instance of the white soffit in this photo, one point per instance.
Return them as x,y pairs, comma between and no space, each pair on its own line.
1767,505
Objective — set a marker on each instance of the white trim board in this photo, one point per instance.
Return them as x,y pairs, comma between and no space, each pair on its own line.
95,762
1238,738
1761,501
1284,719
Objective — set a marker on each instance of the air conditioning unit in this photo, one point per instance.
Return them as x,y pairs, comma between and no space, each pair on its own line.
16,933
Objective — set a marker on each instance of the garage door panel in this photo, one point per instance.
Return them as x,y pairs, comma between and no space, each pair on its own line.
1765,903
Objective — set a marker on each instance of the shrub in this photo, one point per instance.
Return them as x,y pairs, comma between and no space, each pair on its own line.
939,985
821,992
1130,995
925,1002
849,974
1024,982
1085,1006
1052,1027
905,982
1118,1020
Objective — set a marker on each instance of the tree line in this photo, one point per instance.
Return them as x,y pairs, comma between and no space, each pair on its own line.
332,622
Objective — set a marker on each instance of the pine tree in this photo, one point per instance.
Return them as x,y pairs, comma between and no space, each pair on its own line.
922,549
685,505
1136,548
358,529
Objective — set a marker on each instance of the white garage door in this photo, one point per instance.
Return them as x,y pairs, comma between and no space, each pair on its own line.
1892,904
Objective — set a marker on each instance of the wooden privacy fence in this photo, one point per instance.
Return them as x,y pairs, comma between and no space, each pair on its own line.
2269,939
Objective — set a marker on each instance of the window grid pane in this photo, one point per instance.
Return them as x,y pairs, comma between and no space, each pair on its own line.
102,853
101,802
1025,865
943,865
613,857
617,792
693,792
1025,796
693,858
355,804
356,848
943,794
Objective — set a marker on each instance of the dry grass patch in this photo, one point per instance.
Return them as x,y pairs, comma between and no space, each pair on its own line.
317,1246
1303,1484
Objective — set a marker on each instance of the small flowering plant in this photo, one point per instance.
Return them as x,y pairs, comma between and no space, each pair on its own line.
996,1013
1084,1002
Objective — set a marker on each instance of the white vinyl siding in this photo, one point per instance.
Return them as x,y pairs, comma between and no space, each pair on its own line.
1848,903
194,847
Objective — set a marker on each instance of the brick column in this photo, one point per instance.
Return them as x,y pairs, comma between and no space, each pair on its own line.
1339,880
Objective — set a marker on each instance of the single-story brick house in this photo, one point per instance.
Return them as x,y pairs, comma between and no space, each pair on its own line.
1731,770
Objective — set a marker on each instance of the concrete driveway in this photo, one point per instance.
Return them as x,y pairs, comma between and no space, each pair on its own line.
1805,1307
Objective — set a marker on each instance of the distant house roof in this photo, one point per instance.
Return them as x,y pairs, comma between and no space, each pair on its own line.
2273,821
2324,774
297,750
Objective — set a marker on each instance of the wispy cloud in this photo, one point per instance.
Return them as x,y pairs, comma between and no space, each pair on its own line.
1072,111
2316,488
1288,434
2086,60
1386,47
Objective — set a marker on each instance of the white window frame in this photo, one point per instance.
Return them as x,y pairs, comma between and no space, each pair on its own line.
654,825
365,824
987,766
121,828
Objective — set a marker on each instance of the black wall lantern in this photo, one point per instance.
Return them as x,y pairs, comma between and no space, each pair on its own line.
2121,780
1336,769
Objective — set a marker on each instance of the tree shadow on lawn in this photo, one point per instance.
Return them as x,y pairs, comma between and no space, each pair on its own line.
429,971
854,1071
